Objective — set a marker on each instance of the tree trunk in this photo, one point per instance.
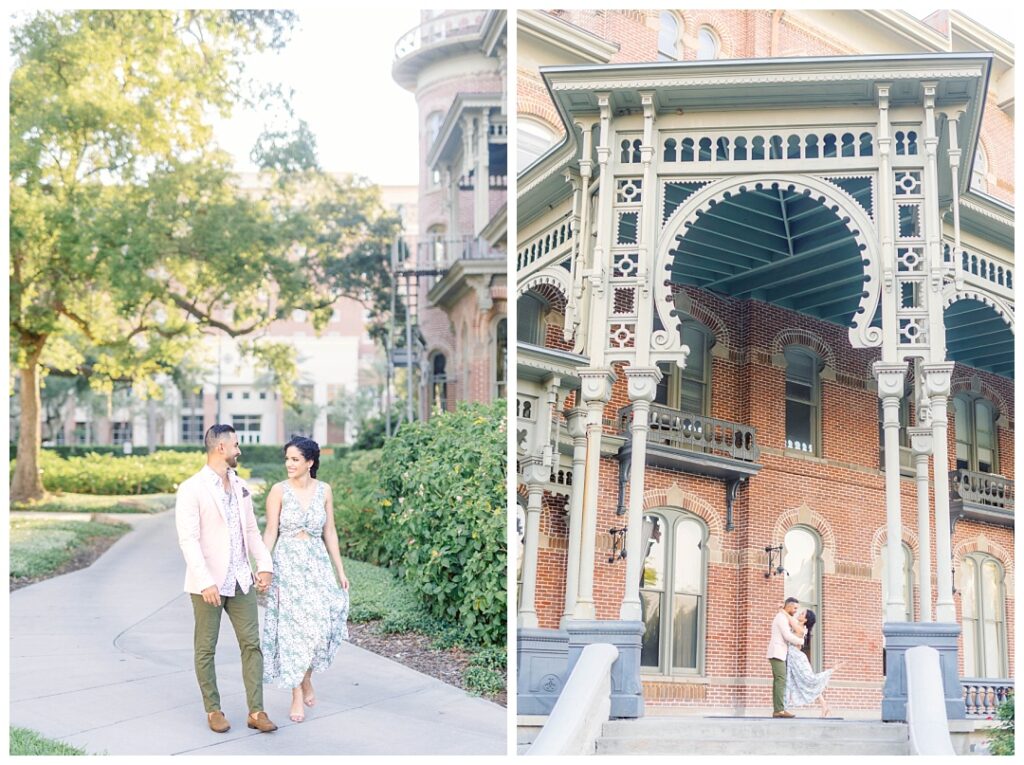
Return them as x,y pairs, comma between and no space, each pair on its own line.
28,482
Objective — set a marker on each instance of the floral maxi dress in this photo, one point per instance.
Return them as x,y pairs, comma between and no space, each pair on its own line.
803,685
307,610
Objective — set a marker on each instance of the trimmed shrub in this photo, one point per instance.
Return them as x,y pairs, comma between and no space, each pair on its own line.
1001,742
358,512
106,474
443,518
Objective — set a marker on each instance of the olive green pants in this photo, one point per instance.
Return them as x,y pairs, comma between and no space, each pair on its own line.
244,618
778,685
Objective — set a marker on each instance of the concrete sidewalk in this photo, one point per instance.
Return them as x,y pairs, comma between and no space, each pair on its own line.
102,658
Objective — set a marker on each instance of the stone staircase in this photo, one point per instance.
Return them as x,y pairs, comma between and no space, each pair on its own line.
752,736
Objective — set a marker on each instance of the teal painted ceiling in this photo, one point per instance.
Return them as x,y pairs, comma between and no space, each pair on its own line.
775,245
978,337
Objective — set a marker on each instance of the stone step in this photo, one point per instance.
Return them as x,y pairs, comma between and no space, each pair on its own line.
696,728
782,746
527,734
522,748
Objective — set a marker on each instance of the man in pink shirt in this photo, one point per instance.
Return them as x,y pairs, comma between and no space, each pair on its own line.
782,634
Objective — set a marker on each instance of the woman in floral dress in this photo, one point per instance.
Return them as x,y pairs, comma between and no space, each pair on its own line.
803,684
307,603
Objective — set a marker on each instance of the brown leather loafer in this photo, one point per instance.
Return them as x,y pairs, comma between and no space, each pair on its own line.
218,722
783,713
261,722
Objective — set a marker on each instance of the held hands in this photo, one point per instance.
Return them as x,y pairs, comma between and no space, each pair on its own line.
263,579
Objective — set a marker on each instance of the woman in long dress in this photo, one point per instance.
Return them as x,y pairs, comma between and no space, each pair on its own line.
307,602
803,684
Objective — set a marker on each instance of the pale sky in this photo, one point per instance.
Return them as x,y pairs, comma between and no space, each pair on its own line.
339,64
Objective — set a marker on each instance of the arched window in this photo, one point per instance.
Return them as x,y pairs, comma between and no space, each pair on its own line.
535,138
689,390
673,587
975,426
432,252
982,604
530,310
801,558
433,126
908,580
707,44
803,400
501,359
979,171
438,385
668,37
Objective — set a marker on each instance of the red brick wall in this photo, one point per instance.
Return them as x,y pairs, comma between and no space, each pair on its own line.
843,492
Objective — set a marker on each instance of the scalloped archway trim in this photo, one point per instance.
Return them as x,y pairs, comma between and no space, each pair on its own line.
981,543
807,339
675,497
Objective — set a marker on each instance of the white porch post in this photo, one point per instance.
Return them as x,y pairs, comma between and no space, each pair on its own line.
890,378
577,424
937,381
535,473
921,442
596,390
643,383
481,189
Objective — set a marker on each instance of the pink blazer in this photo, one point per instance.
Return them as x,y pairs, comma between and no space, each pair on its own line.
203,531
782,634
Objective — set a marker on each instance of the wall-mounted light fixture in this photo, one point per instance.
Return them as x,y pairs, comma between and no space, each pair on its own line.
618,544
774,561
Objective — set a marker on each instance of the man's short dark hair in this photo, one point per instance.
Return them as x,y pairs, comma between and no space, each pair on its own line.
791,600
214,434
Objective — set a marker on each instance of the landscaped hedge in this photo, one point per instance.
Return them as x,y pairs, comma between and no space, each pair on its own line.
443,520
250,452
107,474
358,512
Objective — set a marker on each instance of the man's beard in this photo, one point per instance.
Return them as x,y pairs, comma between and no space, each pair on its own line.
232,461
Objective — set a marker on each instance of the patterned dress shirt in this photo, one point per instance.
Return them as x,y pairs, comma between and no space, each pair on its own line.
238,568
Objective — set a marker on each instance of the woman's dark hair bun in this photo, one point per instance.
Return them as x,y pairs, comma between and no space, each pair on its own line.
309,449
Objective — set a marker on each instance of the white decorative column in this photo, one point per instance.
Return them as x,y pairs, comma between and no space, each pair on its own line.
535,474
481,189
890,378
576,420
937,381
596,390
921,443
643,384
954,173
579,300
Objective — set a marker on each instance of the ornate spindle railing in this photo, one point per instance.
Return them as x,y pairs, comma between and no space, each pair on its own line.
695,432
982,696
982,488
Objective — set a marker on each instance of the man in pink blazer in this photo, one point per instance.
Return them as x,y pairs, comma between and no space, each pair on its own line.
782,634
217,532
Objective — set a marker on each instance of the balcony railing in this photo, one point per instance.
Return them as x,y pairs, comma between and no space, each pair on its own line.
448,27
440,252
982,696
695,432
982,489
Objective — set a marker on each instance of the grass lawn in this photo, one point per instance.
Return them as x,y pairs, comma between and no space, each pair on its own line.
28,742
99,503
41,548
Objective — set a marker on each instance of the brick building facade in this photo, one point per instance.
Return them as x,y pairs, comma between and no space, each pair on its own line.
771,436
454,277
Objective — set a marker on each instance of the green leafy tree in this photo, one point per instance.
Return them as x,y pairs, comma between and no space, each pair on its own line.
1001,742
129,234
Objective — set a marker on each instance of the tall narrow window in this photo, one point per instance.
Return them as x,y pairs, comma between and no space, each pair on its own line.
668,37
438,383
689,390
982,603
801,558
530,319
908,580
707,44
803,412
672,593
976,438
501,359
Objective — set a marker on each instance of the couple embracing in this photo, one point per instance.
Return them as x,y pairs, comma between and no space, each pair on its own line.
794,683
302,583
